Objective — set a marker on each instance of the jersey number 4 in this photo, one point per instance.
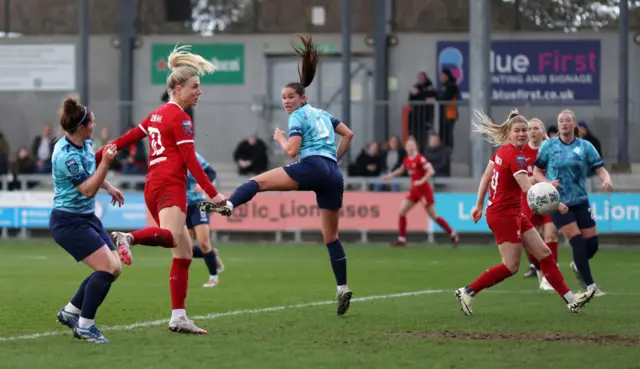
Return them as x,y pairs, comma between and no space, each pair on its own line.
494,182
156,141
322,130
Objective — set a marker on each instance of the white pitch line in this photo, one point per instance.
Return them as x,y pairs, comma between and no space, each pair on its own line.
228,313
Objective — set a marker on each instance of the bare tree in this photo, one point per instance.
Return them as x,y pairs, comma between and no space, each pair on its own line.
571,15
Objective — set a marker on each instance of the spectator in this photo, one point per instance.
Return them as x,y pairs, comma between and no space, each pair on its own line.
448,94
368,163
586,135
251,156
42,149
439,156
393,156
552,131
421,116
4,155
391,159
24,164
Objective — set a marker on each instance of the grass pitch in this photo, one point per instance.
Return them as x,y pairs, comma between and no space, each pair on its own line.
274,309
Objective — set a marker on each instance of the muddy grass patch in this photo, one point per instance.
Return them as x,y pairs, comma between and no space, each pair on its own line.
600,339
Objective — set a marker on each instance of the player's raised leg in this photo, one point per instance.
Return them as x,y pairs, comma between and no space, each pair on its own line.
150,236
275,179
405,207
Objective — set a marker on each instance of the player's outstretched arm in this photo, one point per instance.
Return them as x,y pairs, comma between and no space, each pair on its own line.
188,153
396,172
476,212
484,185
345,140
132,136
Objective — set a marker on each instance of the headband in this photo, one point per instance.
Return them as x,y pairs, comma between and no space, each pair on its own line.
81,120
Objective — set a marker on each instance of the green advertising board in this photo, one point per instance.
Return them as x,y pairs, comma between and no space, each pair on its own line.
228,58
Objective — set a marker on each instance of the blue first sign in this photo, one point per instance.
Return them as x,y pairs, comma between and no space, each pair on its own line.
524,70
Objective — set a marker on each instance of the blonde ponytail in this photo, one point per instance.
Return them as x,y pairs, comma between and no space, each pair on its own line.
184,65
495,134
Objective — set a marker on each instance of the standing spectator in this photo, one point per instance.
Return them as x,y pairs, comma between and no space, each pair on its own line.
448,94
24,164
42,149
251,156
439,156
421,116
586,135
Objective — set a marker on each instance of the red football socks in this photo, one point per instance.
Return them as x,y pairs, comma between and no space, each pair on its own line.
491,277
553,246
552,274
402,227
179,282
443,223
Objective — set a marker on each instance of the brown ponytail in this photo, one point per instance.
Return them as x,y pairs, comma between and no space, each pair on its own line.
308,55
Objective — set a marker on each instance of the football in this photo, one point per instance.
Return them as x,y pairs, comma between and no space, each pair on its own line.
543,198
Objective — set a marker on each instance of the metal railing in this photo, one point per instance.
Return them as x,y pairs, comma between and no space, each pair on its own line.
227,183
28,182
220,125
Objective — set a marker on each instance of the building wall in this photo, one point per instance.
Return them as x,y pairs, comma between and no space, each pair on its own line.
227,113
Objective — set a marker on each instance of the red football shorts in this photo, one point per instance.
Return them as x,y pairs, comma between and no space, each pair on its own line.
158,198
536,219
422,194
508,228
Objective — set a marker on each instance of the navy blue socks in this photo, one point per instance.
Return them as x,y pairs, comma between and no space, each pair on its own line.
244,193
592,246
581,258
338,262
197,251
95,291
210,261
78,298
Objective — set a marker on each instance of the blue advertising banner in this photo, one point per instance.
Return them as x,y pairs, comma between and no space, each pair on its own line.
528,70
32,210
613,213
